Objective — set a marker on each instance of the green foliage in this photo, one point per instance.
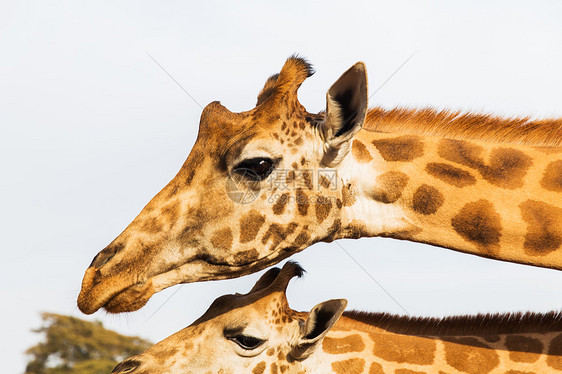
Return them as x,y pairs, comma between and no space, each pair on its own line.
72,345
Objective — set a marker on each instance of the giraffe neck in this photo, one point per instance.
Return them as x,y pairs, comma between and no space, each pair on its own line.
353,346
502,201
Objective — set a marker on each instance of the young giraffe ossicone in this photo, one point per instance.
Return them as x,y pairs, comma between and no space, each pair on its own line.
473,183
259,333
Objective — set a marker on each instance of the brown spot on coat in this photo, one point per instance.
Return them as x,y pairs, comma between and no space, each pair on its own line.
323,207
260,368
333,229
351,343
278,233
353,365
506,169
462,152
470,356
404,348
427,200
355,230
544,227
390,186
280,204
360,152
376,368
245,257
491,338
523,348
302,202
479,223
302,238
250,225
554,358
402,148
307,178
450,174
222,239
552,178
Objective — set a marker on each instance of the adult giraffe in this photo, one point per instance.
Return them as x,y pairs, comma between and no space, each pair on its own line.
473,183
259,333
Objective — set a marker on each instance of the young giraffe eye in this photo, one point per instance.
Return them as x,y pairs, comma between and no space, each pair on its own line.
255,168
247,342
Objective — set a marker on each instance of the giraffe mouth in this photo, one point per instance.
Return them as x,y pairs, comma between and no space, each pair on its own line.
114,294
118,295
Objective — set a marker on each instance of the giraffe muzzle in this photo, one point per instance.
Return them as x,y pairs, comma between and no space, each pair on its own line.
114,293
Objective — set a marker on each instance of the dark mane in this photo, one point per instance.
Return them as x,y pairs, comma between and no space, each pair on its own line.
468,126
479,324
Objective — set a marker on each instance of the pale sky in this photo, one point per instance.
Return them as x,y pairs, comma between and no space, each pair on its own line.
92,128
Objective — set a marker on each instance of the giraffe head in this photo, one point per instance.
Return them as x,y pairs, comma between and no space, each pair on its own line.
257,187
244,333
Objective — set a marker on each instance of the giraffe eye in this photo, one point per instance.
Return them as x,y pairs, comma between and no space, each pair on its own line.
255,168
247,342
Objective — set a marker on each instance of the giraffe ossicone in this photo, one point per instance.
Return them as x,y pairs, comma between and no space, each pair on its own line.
259,333
261,185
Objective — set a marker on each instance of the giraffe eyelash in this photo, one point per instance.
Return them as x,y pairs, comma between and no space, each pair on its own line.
258,168
247,342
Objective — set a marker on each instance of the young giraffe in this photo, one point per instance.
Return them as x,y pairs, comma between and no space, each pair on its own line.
258,332
472,183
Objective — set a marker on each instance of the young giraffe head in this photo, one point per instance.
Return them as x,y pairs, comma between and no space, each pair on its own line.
257,187
259,333
252,333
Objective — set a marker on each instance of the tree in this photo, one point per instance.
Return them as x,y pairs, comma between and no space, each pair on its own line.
72,345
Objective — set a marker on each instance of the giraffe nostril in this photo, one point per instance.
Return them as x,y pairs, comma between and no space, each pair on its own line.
126,367
105,256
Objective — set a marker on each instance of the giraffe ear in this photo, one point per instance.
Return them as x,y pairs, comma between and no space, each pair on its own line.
320,320
346,108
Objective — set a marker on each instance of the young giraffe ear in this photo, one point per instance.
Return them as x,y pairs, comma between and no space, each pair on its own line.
320,320
346,108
